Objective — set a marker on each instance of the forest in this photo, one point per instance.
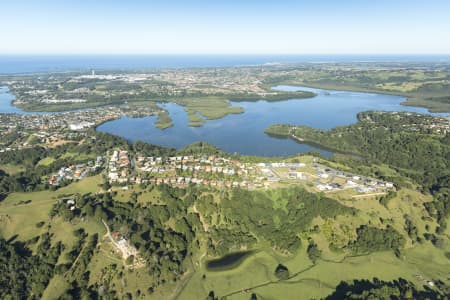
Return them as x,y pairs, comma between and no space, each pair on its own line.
379,289
393,139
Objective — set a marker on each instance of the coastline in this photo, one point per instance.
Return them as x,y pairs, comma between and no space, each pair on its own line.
410,100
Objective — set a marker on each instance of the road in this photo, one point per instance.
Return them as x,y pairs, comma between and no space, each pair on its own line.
108,233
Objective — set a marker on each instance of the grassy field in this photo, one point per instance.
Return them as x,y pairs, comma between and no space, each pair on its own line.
12,169
164,120
199,109
39,106
18,218
145,103
321,279
144,195
20,212
194,119
46,161
256,273
432,106
208,107
419,88
55,288
79,156
254,270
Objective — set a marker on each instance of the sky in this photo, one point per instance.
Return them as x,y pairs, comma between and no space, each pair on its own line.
225,27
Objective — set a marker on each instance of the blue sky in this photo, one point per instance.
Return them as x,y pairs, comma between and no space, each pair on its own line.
226,27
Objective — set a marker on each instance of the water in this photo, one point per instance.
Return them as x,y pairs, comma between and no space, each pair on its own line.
14,64
244,133
6,105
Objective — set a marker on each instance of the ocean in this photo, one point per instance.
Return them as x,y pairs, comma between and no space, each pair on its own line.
22,64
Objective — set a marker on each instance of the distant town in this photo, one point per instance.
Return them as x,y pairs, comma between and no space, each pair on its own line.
58,128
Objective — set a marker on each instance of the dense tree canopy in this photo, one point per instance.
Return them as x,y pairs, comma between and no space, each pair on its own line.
387,290
371,239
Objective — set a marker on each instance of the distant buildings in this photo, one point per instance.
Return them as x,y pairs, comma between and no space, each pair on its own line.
75,172
81,125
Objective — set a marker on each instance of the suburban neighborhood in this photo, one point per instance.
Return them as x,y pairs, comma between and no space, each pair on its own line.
223,172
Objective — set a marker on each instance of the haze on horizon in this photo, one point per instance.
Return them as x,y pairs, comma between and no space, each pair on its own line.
225,27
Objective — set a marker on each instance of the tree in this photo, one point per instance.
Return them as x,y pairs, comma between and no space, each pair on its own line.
282,272
371,239
130,260
313,251
379,289
211,296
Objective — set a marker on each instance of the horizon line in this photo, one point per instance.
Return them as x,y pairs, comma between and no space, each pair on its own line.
221,54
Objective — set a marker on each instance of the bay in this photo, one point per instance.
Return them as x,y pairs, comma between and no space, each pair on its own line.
244,133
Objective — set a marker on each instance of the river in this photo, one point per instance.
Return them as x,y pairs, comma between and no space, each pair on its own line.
244,133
